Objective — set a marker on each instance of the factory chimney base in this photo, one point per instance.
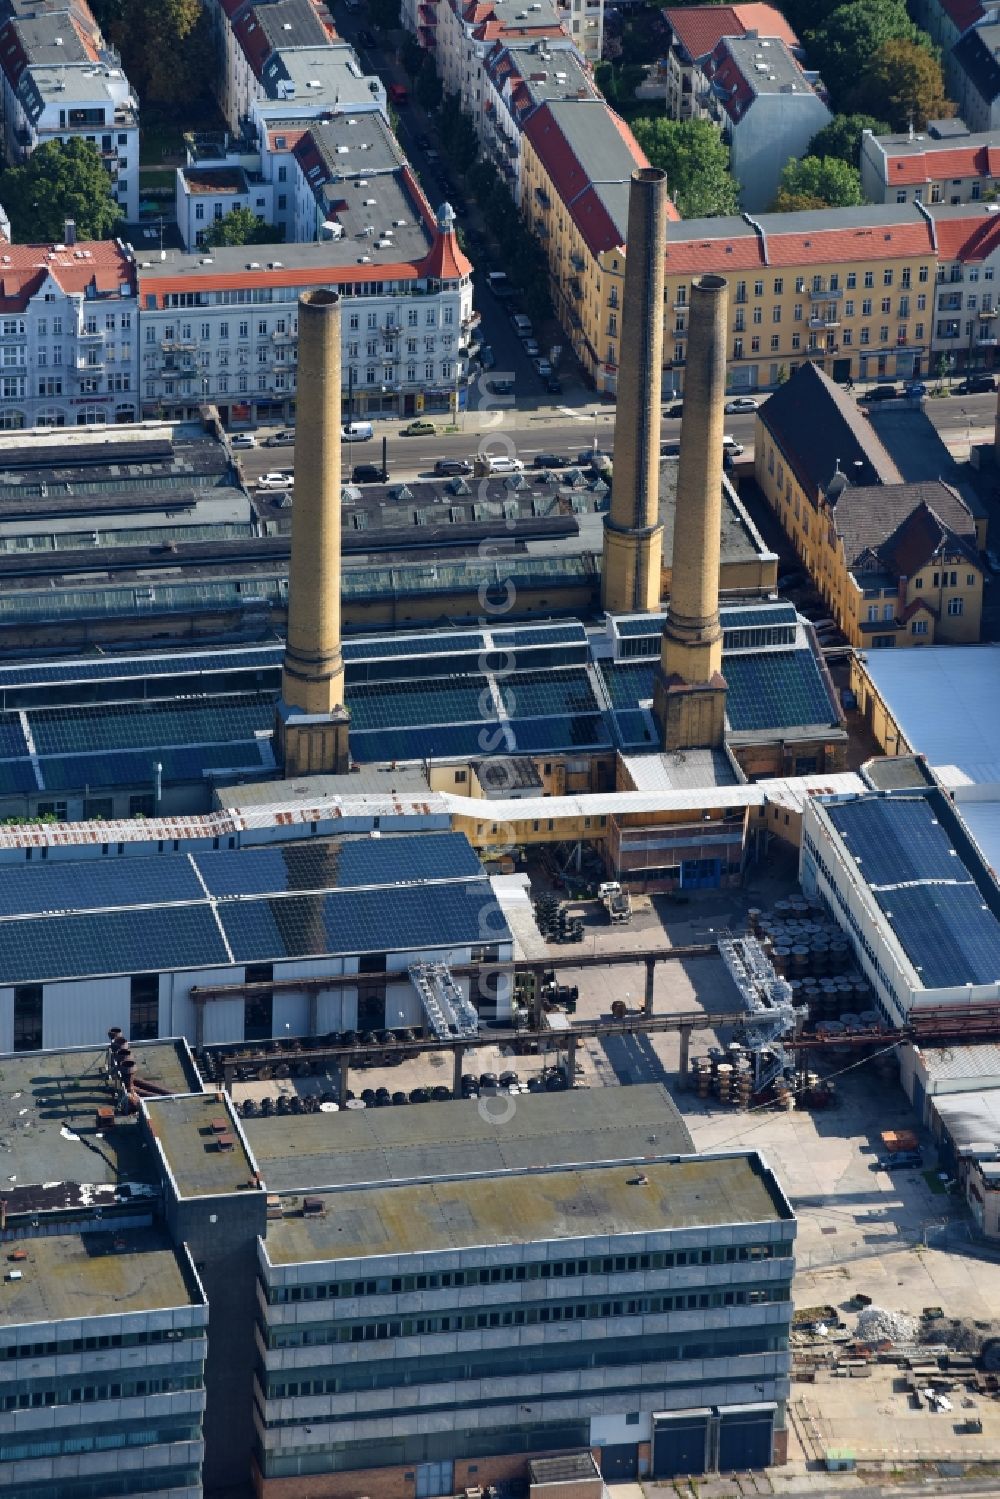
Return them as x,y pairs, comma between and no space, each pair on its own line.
312,743
690,715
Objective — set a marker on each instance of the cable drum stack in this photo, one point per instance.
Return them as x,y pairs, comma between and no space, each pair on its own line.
809,950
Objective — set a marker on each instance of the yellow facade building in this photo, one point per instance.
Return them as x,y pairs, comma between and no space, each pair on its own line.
897,563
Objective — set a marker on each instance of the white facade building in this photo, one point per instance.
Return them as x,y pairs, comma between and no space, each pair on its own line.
68,335
205,194
62,82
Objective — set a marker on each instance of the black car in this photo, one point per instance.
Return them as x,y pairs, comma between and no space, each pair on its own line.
882,393
366,39
677,409
550,460
976,385
448,466
554,385
368,473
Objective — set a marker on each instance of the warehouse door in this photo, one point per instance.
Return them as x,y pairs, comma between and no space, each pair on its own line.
620,1462
745,1439
701,874
434,1479
680,1444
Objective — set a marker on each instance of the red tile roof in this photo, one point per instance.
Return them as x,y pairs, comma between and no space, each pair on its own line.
98,263
693,257
699,28
334,275
817,247
972,238
931,166
253,41
445,260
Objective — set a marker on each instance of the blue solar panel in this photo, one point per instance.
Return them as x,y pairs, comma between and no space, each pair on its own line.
96,884
897,839
775,690
538,735
644,624
635,731
357,921
428,700
628,682
62,731
560,634
153,940
17,775
135,767
948,932
527,694
441,741
756,616
333,864
12,741
263,658
412,645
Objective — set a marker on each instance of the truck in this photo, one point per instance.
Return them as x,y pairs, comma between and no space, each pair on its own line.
615,901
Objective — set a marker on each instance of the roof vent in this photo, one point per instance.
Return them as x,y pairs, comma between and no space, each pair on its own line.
312,1207
14,1275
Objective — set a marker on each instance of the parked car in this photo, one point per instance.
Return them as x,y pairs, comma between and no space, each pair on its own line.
500,464
243,440
880,393
357,432
671,449
276,480
503,387
554,385
531,348
368,473
419,428
740,403
915,389
595,459
283,439
975,385
677,409
730,447
669,393
487,358
550,460
448,466
544,367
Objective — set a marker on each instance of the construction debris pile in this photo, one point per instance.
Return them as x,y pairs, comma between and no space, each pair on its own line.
875,1325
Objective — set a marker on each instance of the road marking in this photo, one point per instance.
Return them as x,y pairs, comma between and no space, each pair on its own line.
579,416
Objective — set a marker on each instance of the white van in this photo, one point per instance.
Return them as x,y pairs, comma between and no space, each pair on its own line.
357,431
522,325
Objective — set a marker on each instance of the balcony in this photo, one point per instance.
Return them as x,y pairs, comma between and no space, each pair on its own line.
576,290
472,320
824,293
84,366
280,338
950,302
542,197
89,333
987,341
577,261
824,322
680,305
187,344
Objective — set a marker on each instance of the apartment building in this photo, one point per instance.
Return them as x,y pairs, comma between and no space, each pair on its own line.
518,78
946,163
248,33
897,563
695,32
974,75
577,161
584,21
205,194
768,108
68,334
61,81
967,300
223,328
464,33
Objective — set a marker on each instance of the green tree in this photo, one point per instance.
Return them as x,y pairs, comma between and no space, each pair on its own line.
61,180
428,87
241,226
412,57
905,82
851,35
842,137
696,161
825,181
458,135
166,46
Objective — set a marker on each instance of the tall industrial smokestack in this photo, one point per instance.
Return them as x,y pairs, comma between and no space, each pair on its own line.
633,536
312,722
689,691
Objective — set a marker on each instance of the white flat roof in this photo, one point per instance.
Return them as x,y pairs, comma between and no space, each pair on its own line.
946,701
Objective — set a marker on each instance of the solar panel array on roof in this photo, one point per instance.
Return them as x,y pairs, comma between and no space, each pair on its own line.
137,767
566,732
265,658
561,634
949,933
531,694
408,919
17,776
627,682
60,731
411,645
12,741
755,615
435,742
144,915
647,624
897,840
429,700
775,689
635,731
322,865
